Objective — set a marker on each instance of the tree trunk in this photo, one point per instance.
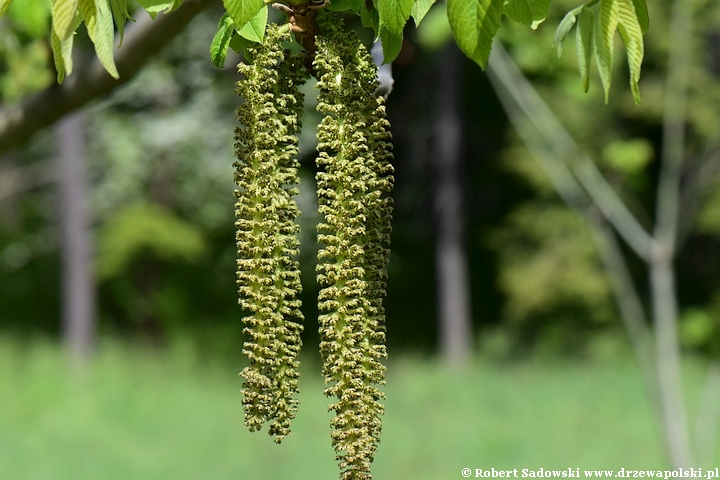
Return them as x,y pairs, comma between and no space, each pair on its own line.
450,254
78,289
672,402
9,218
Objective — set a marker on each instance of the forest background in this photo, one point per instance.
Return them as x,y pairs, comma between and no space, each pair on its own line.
546,376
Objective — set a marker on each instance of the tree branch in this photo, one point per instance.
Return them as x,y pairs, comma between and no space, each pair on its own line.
142,41
524,96
662,274
544,148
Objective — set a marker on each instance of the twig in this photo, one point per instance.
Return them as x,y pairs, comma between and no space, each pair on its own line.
544,144
537,112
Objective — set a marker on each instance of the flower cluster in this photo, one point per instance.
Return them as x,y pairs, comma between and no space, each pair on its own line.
268,277
354,177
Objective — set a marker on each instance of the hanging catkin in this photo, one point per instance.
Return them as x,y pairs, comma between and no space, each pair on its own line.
354,175
268,277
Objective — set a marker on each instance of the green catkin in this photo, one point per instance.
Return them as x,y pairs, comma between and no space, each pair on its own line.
354,177
268,277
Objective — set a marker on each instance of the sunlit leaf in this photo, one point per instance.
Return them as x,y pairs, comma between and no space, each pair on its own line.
63,13
420,9
606,24
241,11
527,11
153,7
62,55
98,20
254,29
631,34
584,42
474,24
121,15
238,43
394,14
564,28
641,11
221,41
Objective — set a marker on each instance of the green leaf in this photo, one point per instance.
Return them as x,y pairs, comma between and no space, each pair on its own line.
474,24
631,35
527,12
4,4
606,24
62,54
564,28
241,11
99,23
420,9
63,14
121,15
221,41
641,11
153,7
345,5
238,43
584,42
391,43
394,14
254,30
370,19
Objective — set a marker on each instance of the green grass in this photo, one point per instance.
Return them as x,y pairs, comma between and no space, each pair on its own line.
139,414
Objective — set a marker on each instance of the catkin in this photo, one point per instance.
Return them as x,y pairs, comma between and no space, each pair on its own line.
268,277
354,177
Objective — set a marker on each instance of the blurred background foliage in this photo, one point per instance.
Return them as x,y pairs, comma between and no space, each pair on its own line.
161,160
